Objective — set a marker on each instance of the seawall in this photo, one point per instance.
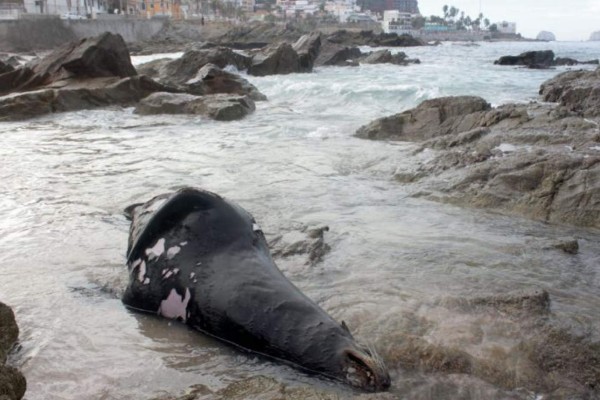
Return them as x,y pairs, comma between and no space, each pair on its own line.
45,33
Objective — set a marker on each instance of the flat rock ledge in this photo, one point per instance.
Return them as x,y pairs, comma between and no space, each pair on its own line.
541,161
12,382
220,107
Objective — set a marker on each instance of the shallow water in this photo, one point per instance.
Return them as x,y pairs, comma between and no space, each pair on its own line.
395,260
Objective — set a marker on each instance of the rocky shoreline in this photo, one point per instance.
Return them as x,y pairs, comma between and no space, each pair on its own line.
537,160
97,72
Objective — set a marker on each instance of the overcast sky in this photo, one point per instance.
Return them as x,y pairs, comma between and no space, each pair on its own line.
567,19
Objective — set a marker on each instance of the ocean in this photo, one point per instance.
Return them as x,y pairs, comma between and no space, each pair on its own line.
395,264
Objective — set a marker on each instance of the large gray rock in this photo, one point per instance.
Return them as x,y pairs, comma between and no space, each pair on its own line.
181,70
530,59
212,80
278,60
220,107
12,382
432,118
578,91
386,57
308,47
546,36
370,38
336,54
535,160
75,95
102,56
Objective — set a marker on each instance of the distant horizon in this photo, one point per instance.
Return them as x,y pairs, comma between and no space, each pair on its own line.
574,20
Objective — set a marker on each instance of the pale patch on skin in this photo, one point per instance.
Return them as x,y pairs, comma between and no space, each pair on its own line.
142,271
157,250
167,275
176,271
146,281
182,244
255,227
135,263
192,275
174,306
173,251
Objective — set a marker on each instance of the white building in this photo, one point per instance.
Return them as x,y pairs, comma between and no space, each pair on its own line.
507,27
342,9
395,21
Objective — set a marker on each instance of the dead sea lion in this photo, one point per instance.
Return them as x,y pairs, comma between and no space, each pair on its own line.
198,258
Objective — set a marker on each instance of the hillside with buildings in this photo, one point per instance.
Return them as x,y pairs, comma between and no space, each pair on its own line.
390,16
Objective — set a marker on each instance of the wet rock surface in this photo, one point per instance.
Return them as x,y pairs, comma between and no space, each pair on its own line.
577,91
97,72
94,72
386,57
179,71
72,95
537,160
307,242
432,118
277,60
12,382
102,56
539,60
221,107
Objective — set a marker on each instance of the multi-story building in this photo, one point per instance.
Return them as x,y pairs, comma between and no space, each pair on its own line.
379,6
398,22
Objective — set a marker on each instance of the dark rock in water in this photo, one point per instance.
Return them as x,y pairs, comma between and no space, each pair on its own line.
12,382
281,59
570,246
259,35
369,38
308,47
578,91
560,61
432,118
200,72
102,56
181,70
540,60
386,57
309,241
220,107
77,95
531,59
212,80
9,331
335,54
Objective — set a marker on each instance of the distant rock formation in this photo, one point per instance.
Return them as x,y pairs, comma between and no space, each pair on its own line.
540,60
546,36
595,36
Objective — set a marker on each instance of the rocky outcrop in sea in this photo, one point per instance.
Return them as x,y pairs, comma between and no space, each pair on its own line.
540,60
97,72
12,382
541,161
546,36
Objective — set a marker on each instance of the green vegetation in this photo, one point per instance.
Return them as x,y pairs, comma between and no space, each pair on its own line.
454,18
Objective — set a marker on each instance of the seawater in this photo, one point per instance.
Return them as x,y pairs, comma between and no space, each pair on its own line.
67,177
